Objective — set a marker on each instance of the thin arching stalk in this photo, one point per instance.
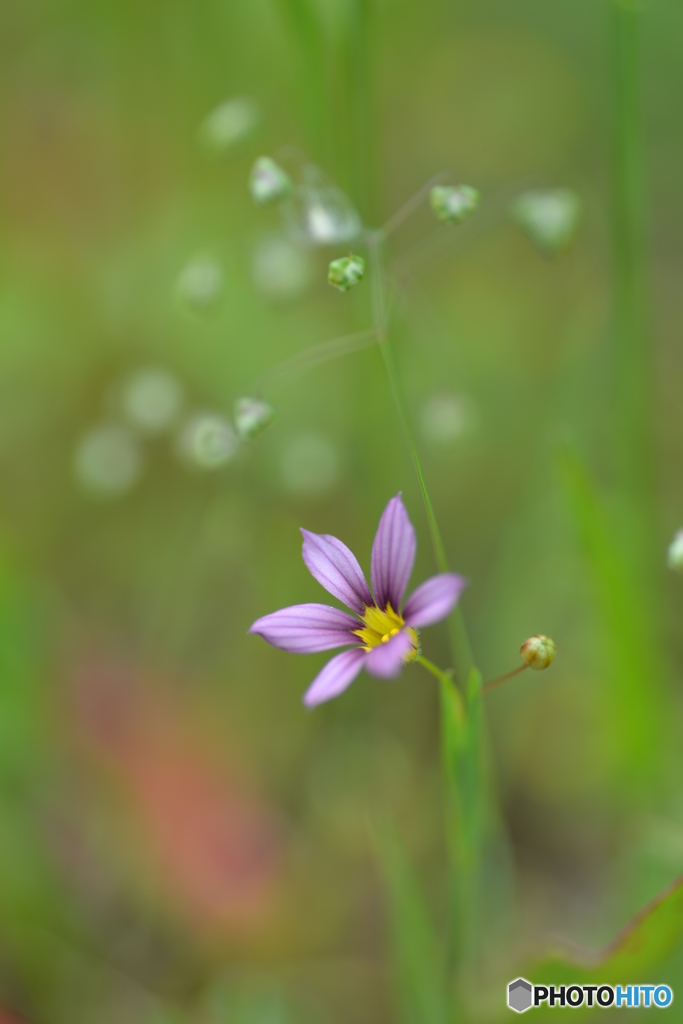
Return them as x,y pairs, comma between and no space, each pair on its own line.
323,352
631,360
462,651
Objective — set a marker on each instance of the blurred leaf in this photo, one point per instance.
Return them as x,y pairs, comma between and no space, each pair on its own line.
417,957
462,753
357,45
625,638
242,1003
642,946
27,887
309,43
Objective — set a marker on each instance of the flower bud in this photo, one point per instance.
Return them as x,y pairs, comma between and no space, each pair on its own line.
538,651
674,554
549,219
252,417
346,272
453,204
268,182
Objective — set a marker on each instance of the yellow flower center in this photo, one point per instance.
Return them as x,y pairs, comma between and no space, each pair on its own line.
380,626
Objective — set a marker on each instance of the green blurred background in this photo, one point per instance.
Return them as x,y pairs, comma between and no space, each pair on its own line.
180,841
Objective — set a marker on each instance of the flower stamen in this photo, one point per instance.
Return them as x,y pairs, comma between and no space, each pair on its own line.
380,626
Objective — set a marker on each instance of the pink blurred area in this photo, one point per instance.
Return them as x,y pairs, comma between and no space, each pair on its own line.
213,846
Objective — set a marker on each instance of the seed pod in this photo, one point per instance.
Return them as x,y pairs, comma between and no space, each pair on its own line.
674,554
346,272
252,417
452,204
538,651
548,218
268,182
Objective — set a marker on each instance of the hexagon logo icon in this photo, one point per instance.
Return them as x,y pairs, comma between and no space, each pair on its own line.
520,995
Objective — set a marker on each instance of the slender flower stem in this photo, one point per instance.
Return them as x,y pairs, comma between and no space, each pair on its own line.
409,208
317,354
632,371
443,677
503,679
447,241
462,651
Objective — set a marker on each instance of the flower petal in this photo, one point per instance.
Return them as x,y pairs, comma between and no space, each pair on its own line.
386,660
332,564
433,600
393,555
337,675
307,628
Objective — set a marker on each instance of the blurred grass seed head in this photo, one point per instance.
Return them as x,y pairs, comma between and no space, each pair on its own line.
447,418
319,213
452,204
346,272
200,283
674,553
269,183
108,461
252,416
208,441
152,400
548,218
229,123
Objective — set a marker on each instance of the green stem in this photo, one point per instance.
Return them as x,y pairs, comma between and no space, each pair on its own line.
632,371
412,204
503,679
443,677
315,355
462,651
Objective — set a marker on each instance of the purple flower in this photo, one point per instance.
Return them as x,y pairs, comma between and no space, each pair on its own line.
382,638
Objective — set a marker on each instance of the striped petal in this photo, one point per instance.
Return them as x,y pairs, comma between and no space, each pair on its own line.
332,564
393,555
336,677
307,628
386,660
433,600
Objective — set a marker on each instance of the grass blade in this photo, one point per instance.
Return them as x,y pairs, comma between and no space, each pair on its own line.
310,61
417,957
631,661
